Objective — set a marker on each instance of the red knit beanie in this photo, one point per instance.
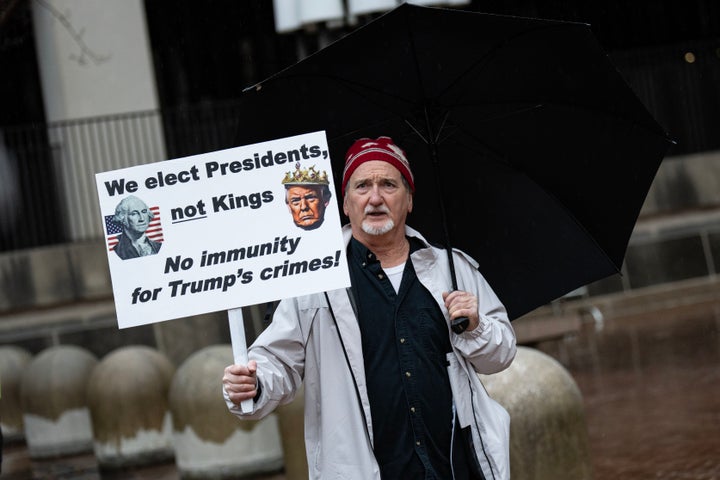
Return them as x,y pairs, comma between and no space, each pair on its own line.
383,149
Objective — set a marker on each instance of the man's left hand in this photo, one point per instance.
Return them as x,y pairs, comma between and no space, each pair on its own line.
462,304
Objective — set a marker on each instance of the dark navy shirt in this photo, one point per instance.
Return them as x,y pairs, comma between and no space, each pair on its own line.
404,340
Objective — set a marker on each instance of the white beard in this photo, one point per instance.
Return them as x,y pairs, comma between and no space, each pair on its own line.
381,230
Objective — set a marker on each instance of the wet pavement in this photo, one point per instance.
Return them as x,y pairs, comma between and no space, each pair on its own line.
651,387
650,383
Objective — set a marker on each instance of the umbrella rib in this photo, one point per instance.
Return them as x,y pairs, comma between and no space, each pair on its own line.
425,140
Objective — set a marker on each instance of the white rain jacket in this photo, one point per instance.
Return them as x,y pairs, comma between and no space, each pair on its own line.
318,342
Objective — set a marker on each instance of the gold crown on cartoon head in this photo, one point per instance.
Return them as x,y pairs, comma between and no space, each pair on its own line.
308,176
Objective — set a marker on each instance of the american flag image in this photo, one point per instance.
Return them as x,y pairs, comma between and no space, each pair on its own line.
113,229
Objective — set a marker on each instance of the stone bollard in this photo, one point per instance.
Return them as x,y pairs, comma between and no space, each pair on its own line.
128,399
548,434
54,402
13,361
210,442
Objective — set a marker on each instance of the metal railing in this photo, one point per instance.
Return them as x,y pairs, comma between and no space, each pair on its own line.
47,171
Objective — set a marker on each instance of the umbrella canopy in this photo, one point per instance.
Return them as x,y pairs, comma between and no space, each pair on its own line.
529,150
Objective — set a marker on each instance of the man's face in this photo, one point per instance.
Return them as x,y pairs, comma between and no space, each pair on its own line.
138,216
376,199
306,205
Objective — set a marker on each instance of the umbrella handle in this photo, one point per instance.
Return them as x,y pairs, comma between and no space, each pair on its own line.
460,324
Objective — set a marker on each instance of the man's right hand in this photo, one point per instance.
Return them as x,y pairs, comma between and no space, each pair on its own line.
240,382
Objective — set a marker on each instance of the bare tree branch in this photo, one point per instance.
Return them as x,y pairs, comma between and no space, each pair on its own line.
86,53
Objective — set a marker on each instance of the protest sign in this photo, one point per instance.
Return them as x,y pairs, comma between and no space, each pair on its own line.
213,232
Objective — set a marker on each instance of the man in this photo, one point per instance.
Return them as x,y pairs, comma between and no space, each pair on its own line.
134,217
307,194
390,391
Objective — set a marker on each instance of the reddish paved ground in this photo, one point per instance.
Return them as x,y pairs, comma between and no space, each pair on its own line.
651,386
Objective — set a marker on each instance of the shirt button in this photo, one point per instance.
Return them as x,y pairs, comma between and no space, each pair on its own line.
417,443
380,276
407,374
402,340
412,409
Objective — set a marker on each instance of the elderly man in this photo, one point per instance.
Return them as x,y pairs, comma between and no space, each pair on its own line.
307,194
390,390
134,217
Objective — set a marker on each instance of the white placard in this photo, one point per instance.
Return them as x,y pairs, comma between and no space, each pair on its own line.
222,235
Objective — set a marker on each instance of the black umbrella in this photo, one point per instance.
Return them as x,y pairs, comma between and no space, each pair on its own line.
529,150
